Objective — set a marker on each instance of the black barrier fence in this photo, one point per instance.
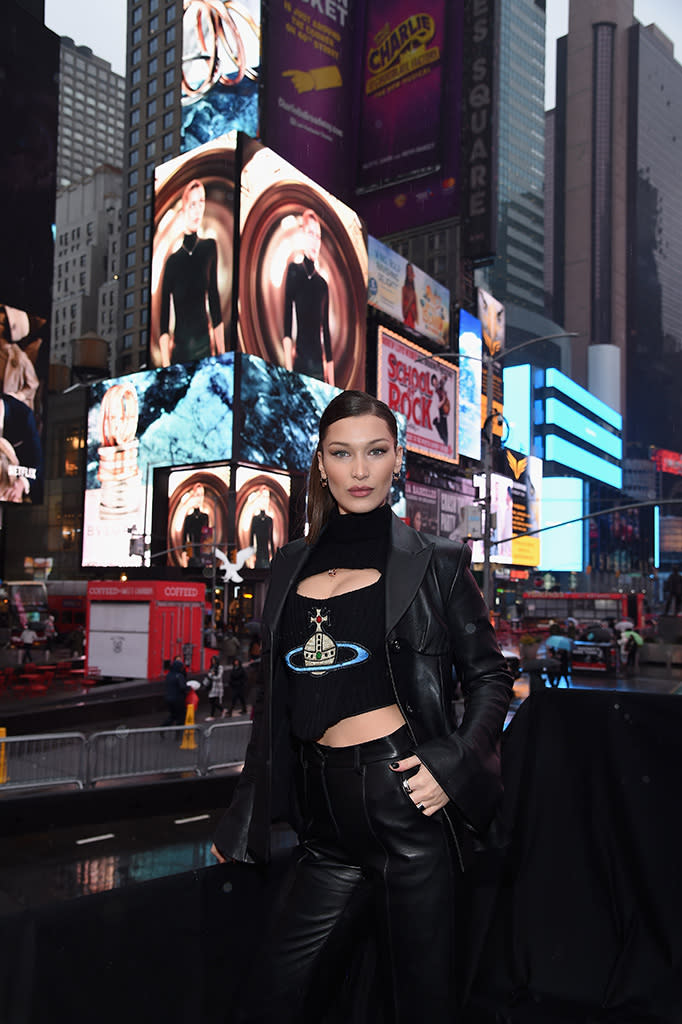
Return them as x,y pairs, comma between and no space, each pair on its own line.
578,918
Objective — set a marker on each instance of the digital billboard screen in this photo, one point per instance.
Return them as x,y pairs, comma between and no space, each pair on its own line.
470,384
192,254
515,503
176,416
221,57
406,293
302,273
262,514
424,389
24,358
437,510
197,514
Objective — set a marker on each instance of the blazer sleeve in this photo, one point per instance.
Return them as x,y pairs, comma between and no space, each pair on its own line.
466,762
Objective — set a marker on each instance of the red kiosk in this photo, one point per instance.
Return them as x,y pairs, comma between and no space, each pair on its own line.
134,627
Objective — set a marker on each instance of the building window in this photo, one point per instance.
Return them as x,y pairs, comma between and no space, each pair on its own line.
154,24
137,15
128,320
134,136
169,56
132,218
131,239
151,108
136,36
168,99
132,178
134,97
135,116
153,46
170,34
150,149
136,55
169,76
150,130
168,140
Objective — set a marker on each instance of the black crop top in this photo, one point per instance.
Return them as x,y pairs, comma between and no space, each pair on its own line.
333,652
343,635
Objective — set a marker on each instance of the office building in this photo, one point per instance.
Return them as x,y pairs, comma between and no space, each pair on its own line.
85,289
617,225
152,136
91,103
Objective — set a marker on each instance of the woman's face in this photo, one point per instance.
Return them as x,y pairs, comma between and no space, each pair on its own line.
358,457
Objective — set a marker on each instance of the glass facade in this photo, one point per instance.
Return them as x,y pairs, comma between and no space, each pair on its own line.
517,275
655,231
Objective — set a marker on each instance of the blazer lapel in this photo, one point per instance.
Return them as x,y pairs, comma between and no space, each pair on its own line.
292,559
408,560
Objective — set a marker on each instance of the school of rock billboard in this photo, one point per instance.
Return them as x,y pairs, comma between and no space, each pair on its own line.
192,254
221,57
407,294
424,389
302,273
176,416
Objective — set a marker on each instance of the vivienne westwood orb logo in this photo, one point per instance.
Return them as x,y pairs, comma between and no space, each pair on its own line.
320,653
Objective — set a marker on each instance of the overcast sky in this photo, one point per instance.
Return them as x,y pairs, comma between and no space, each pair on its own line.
101,26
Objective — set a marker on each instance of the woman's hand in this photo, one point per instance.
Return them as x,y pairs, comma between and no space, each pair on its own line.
424,791
218,855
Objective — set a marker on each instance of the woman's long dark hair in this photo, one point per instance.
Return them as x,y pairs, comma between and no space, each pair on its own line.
348,403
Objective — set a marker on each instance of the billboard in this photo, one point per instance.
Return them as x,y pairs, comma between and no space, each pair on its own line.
437,510
302,273
24,358
406,293
221,56
197,514
262,514
515,503
470,385
405,54
308,99
192,254
479,132
176,416
562,547
408,164
424,389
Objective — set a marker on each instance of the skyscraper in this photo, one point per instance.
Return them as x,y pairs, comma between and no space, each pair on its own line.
152,127
516,276
617,228
91,102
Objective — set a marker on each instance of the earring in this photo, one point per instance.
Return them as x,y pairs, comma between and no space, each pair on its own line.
396,476
323,481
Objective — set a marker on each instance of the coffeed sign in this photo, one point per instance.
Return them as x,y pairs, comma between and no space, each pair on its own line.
424,389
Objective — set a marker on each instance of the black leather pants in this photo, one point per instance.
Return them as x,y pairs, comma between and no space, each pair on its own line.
364,841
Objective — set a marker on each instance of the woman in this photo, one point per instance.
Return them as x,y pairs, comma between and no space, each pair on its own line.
364,621
215,687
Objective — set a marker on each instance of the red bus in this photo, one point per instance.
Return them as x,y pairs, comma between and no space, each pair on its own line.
542,607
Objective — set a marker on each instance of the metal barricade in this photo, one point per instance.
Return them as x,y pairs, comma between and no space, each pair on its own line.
50,759
140,752
225,744
59,759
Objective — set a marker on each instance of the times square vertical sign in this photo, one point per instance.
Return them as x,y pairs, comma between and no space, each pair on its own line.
479,131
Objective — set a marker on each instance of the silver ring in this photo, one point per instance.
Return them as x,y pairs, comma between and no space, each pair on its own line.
406,786
420,807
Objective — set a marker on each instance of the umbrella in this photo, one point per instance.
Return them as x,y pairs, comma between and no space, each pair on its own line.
624,624
639,640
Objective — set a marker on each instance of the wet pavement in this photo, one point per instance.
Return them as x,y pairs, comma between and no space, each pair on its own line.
132,841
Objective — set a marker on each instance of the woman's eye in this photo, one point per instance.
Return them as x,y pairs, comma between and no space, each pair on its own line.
341,452
378,451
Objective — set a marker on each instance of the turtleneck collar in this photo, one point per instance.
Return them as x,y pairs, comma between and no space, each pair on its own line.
352,541
355,526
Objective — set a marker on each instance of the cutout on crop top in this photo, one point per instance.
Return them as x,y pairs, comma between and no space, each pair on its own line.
334,586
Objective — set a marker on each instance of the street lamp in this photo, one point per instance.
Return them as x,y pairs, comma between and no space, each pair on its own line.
489,361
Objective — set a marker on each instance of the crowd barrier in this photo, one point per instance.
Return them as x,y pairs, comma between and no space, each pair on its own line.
74,759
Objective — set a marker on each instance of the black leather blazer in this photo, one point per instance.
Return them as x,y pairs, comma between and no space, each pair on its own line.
436,618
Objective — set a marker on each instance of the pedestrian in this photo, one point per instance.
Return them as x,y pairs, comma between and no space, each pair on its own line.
237,686
363,621
28,638
230,646
215,688
50,633
175,685
672,589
